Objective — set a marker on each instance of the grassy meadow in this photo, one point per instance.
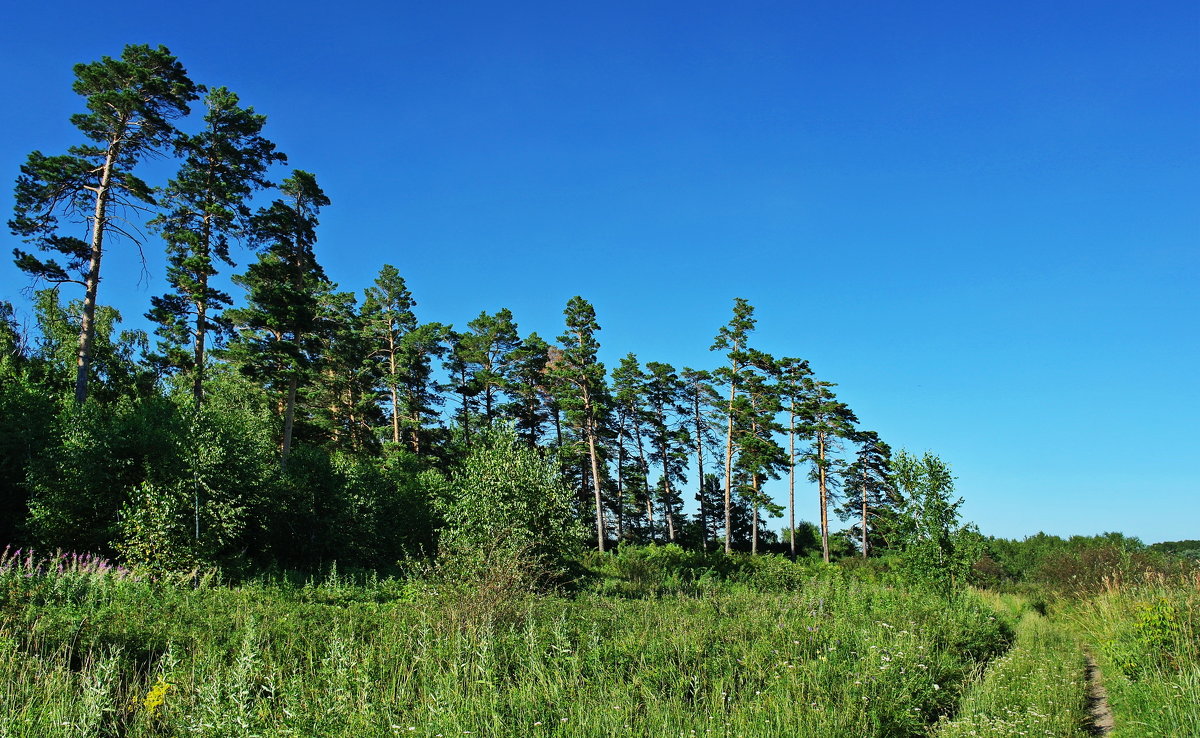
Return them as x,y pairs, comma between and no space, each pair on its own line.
650,646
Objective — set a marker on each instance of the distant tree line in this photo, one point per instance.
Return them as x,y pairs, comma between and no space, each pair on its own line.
304,423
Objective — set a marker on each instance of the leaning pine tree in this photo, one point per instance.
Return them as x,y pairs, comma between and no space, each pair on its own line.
131,103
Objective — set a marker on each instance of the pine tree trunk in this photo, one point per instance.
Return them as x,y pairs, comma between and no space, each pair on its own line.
792,480
700,469
645,467
824,495
87,324
335,409
558,428
201,304
591,433
621,483
466,408
864,521
392,388
289,417
729,470
754,518
198,347
667,510
415,433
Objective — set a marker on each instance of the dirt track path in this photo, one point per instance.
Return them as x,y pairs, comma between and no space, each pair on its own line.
1100,717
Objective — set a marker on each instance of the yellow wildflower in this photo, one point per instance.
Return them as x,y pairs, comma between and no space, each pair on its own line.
156,696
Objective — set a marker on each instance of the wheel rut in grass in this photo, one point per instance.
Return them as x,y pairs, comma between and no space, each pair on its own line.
1100,717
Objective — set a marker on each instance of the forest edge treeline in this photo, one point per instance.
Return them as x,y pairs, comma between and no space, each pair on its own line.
302,426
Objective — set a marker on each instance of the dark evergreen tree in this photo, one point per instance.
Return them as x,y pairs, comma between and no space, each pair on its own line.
277,340
732,340
698,397
344,400
669,439
871,497
529,389
826,422
387,317
131,103
419,393
635,501
488,347
459,370
207,200
579,379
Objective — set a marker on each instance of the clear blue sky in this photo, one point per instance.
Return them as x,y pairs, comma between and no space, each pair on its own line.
981,219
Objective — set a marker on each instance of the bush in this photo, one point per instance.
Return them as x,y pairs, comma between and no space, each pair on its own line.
508,497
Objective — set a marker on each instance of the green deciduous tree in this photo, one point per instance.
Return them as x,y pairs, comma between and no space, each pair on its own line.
936,548
131,103
509,493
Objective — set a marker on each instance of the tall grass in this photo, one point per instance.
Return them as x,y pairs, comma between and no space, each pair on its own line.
1036,689
1148,648
827,657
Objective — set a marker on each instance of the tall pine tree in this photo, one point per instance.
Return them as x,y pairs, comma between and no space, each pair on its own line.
732,339
579,375
277,331
664,400
388,317
871,497
131,105
827,421
223,165
793,376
